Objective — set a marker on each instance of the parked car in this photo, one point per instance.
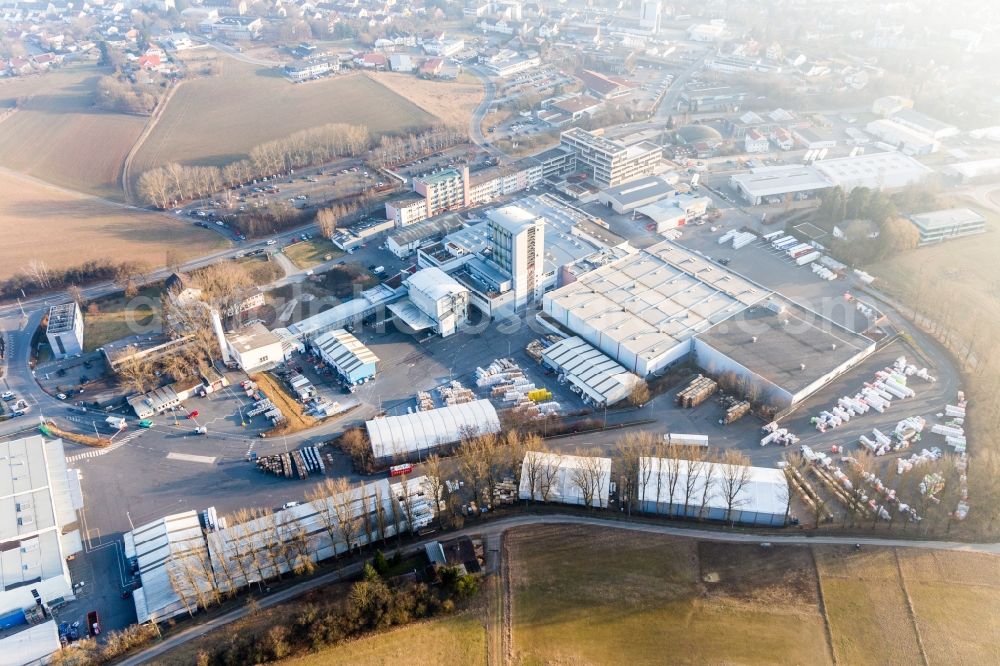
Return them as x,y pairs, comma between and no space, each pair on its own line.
272,242
7,396
193,415
61,396
145,423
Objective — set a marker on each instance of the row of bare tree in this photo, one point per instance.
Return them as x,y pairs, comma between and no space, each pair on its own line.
259,545
167,185
392,150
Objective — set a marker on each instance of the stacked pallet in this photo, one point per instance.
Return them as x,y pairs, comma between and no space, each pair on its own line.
698,391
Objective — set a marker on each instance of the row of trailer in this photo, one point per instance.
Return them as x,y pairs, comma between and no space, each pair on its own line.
799,252
870,498
887,385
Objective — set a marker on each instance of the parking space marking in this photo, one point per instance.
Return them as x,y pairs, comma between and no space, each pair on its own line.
188,457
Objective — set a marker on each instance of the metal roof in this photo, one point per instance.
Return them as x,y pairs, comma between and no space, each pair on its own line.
62,318
402,435
600,378
344,351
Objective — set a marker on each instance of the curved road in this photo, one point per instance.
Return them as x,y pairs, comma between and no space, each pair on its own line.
502,525
476,122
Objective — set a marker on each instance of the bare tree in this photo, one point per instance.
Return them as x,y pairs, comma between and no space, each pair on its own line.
326,220
534,461
708,489
435,482
588,477
694,467
348,519
734,478
136,373
640,394
551,465
321,499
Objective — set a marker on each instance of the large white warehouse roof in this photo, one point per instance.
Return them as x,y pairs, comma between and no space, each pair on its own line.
765,493
642,310
565,479
421,431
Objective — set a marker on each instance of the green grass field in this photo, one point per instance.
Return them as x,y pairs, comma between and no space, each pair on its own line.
611,597
215,120
117,317
457,639
58,136
306,254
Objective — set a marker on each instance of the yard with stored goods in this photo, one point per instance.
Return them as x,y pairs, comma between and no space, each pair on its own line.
63,229
218,119
56,134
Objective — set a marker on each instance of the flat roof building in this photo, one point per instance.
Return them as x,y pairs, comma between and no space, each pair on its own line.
65,330
642,310
609,162
625,198
936,226
254,347
436,300
763,183
784,351
762,498
923,123
565,479
876,171
39,529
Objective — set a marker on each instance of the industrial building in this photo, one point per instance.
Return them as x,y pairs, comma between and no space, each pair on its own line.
657,306
924,124
906,139
762,499
405,241
565,479
343,352
772,183
939,225
783,351
435,301
600,380
611,163
254,347
65,330
642,310
876,171
371,504
675,211
348,313
625,198
39,530
183,557
412,436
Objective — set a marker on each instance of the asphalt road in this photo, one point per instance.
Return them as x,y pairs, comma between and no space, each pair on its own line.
500,526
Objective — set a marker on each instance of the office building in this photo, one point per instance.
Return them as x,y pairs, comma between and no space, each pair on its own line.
517,247
65,330
443,190
609,162
936,226
649,15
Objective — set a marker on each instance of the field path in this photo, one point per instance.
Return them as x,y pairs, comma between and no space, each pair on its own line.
126,179
909,608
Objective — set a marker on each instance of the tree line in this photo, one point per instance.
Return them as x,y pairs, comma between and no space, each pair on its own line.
37,277
875,230
173,183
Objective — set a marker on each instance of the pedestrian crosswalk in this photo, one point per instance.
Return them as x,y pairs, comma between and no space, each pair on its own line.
117,444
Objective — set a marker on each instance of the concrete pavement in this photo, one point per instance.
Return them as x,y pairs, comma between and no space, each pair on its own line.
491,531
